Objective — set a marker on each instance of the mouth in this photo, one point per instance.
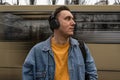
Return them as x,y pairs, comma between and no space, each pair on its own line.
72,29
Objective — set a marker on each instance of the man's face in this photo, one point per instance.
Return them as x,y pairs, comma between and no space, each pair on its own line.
67,23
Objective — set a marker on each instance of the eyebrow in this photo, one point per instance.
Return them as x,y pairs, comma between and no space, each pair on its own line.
69,17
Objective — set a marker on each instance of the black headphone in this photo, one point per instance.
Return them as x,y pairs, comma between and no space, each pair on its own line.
54,23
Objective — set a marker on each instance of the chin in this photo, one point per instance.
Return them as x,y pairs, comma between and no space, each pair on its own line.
71,34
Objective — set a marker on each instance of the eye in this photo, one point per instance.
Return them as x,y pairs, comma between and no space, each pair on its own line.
68,18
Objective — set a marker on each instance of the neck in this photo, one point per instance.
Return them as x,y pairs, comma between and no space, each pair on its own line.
60,39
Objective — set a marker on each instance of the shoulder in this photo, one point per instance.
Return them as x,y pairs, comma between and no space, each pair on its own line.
74,41
44,45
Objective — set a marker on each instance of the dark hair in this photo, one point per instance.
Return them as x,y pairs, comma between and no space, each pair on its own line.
59,9
54,24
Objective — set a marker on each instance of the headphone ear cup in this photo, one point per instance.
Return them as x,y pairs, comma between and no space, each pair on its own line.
54,24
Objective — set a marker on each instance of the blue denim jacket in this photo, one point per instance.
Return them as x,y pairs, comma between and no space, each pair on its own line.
40,64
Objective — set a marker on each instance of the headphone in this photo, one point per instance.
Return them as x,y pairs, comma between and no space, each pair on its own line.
54,23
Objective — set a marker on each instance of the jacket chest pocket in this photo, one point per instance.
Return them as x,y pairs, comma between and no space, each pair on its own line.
40,75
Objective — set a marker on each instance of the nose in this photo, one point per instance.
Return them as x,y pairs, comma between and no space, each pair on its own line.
73,22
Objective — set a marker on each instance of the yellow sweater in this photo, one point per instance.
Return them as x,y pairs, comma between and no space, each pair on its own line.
61,60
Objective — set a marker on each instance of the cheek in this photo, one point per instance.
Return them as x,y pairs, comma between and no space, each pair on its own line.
63,23
64,26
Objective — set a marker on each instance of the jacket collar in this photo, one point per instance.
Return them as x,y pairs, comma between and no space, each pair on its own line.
47,43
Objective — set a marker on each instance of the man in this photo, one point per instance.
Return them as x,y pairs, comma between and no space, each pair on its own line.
59,57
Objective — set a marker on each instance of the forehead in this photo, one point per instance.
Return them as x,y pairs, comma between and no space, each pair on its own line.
65,13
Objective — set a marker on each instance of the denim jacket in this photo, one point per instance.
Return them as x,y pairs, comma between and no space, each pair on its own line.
40,65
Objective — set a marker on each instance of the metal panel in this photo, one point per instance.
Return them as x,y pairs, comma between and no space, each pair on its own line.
90,8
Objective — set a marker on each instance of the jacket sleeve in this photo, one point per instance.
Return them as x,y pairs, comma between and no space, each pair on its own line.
91,69
28,69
